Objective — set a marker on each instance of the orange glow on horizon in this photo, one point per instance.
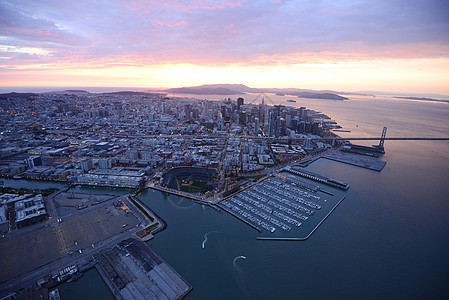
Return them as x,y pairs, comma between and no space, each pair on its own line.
396,75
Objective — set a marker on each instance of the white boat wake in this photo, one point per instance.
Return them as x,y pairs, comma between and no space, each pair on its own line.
234,262
205,238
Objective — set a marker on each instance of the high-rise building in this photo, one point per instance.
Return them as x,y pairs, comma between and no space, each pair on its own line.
195,114
277,131
187,110
86,165
308,128
315,127
239,103
242,118
293,124
272,124
33,161
301,127
282,127
301,113
261,114
105,163
256,126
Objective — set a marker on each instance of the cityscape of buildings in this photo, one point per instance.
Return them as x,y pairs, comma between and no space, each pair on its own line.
200,149
124,139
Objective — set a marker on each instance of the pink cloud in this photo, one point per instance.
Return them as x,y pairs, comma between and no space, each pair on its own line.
223,31
161,23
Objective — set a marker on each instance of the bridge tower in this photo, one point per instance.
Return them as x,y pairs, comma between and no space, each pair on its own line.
382,138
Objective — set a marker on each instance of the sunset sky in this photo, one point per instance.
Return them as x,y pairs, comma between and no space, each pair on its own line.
383,45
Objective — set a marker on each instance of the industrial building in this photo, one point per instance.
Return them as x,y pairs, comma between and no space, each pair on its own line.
30,211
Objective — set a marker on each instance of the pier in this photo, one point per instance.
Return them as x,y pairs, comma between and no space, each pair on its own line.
132,270
366,162
317,177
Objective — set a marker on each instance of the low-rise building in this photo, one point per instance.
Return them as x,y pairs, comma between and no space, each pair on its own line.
30,211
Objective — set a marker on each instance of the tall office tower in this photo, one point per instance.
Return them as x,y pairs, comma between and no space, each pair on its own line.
261,114
308,128
256,126
163,108
283,127
277,131
301,113
293,124
236,118
239,103
288,119
195,113
242,118
272,124
315,127
187,110
301,127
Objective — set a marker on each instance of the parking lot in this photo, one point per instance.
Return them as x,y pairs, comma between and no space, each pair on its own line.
36,247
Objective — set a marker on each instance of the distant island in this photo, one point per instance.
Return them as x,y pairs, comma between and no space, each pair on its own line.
327,96
238,89
421,98
203,90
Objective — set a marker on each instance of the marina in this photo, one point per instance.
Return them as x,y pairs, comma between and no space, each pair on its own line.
280,205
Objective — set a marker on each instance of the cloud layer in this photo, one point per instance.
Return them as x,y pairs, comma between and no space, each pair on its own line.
50,34
219,32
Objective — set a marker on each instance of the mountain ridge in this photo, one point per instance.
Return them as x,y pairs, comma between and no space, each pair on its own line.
235,89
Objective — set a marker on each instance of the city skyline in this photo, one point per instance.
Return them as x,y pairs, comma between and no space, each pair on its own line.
399,46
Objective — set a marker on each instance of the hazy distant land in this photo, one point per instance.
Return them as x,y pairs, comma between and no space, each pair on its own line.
237,89
421,99
230,90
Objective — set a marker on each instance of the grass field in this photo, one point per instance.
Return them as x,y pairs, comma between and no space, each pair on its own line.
193,186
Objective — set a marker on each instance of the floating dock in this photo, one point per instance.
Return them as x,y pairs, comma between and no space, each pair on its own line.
132,270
